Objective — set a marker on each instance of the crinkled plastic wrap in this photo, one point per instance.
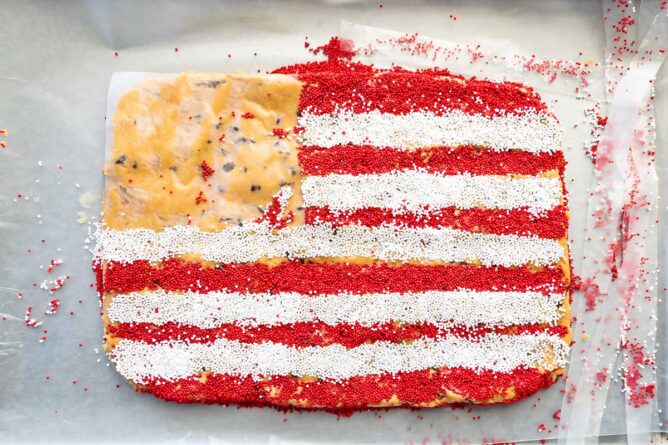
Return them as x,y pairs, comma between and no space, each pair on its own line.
57,384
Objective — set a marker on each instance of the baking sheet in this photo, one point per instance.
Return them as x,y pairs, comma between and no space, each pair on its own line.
57,62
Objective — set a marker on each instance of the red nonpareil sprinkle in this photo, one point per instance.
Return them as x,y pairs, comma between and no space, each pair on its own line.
601,377
553,224
273,215
200,198
53,264
53,307
365,159
304,334
54,285
305,278
248,115
401,91
336,49
31,322
639,393
206,170
221,138
354,393
281,133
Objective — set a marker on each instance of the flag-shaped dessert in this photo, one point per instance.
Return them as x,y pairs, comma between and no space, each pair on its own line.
335,236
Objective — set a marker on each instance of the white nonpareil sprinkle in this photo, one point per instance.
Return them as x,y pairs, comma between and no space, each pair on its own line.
254,241
139,361
531,131
462,308
416,190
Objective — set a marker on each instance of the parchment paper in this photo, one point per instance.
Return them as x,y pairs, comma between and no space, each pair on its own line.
56,64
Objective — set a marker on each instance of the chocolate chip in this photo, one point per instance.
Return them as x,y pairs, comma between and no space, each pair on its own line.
121,160
218,125
255,188
228,167
234,128
134,164
211,84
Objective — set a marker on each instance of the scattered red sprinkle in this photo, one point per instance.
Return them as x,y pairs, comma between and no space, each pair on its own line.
200,198
281,133
206,170
31,322
53,307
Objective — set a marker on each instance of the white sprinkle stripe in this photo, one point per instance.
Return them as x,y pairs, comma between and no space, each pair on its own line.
530,131
415,190
210,310
139,361
254,241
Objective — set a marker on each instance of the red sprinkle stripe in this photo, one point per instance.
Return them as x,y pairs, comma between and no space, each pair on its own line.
354,393
315,333
363,159
337,85
307,278
553,224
